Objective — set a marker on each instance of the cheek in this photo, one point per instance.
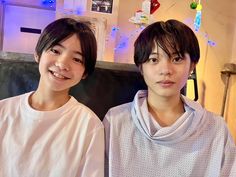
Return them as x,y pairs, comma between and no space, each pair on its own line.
148,72
79,71
43,64
183,79
148,77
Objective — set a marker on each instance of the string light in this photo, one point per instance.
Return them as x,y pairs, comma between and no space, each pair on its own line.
210,42
48,1
124,40
79,11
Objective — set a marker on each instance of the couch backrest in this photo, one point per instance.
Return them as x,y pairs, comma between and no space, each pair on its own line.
111,84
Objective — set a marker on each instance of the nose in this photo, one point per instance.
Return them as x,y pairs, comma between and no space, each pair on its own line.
62,63
165,67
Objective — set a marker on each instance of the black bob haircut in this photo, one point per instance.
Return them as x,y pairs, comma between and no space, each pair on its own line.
170,36
64,28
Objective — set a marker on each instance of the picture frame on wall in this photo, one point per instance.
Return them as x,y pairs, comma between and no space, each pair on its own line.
102,6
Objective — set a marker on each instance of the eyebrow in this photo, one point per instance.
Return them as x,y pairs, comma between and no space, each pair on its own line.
175,53
77,52
154,53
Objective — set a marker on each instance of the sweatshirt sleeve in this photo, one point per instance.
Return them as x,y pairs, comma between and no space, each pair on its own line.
106,124
92,164
228,168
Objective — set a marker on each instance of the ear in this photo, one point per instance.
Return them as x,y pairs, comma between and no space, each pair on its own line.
192,66
140,69
36,57
84,76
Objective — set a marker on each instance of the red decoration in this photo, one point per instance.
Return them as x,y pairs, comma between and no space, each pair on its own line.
154,5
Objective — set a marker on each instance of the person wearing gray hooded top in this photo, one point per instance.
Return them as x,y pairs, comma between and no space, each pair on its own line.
163,133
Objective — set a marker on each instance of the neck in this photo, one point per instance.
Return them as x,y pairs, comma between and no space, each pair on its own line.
48,101
165,110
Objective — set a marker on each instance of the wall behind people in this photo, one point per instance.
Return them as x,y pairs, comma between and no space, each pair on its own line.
110,22
23,21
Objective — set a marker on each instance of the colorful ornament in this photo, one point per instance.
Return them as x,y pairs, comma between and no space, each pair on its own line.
197,21
193,5
154,5
144,15
198,17
146,7
199,7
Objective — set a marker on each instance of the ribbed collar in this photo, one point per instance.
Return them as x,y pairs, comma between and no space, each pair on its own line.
183,127
28,112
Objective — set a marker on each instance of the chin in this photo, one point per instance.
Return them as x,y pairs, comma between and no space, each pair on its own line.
58,88
167,94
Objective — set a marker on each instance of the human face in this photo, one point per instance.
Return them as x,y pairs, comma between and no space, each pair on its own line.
165,76
61,66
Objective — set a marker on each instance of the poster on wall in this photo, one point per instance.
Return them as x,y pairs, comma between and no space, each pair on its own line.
103,6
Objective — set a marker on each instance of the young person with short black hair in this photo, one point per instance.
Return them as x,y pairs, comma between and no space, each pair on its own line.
163,133
47,132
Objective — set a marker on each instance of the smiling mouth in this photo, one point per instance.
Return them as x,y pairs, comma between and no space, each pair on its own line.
57,75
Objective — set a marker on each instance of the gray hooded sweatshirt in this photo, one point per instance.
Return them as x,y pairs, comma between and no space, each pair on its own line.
198,144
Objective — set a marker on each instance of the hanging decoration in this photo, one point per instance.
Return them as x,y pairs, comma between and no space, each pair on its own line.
193,5
198,17
154,5
124,39
143,16
204,34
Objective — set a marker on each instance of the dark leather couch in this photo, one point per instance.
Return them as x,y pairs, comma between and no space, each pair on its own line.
111,84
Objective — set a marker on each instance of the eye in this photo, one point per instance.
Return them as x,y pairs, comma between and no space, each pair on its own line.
55,51
177,59
79,60
152,60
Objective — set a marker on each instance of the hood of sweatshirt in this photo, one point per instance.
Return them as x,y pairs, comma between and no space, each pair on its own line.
184,126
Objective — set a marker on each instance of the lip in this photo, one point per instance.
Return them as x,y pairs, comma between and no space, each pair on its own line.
58,75
166,83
